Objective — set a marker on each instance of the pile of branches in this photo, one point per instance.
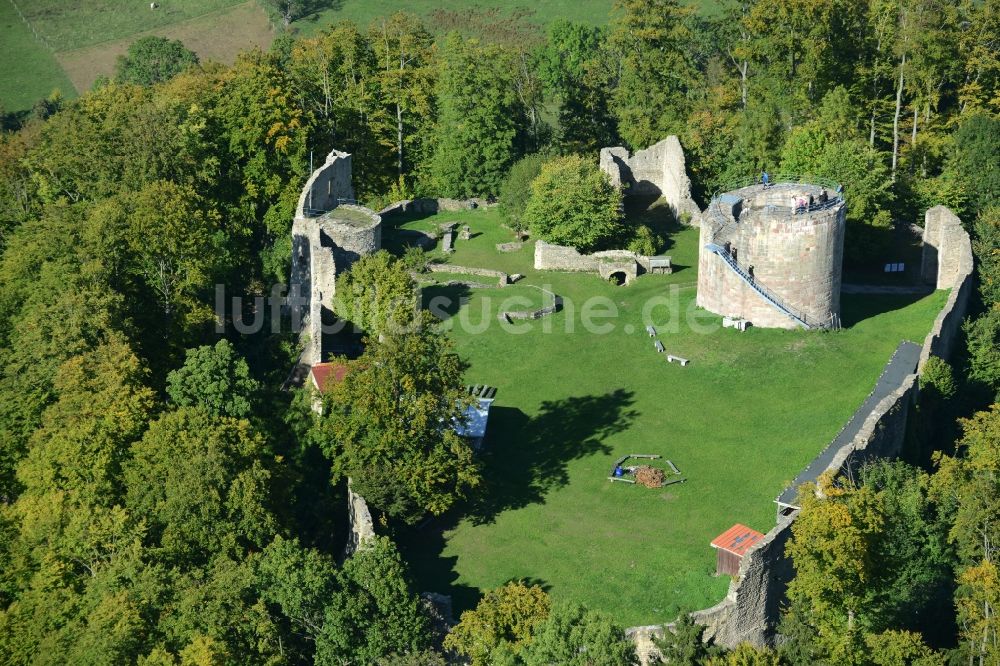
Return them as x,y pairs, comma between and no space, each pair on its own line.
651,477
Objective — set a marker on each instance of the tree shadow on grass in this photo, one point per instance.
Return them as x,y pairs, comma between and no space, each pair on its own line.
856,308
523,459
444,300
431,571
526,457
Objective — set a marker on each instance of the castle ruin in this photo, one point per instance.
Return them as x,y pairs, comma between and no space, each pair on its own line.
329,234
657,171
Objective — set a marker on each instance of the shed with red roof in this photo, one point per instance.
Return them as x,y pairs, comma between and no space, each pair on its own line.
731,546
326,375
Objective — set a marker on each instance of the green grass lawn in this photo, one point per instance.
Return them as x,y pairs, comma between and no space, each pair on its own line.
447,15
740,421
29,70
73,25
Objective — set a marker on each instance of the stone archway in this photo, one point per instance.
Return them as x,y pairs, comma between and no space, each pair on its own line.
619,278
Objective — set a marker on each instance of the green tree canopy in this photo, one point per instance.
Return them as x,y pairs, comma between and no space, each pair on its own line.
504,619
383,426
202,484
374,614
479,120
377,295
575,636
153,60
516,190
573,203
216,379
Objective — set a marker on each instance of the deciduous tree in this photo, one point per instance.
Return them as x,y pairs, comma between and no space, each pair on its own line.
388,425
573,203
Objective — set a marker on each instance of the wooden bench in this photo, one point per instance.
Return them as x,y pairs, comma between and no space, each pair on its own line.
673,467
659,346
651,331
677,359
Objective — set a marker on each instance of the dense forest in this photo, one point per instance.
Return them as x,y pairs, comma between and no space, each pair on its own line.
163,501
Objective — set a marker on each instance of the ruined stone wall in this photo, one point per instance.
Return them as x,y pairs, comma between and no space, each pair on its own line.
430,206
549,257
327,185
948,248
361,527
944,260
324,244
348,241
751,609
659,171
501,277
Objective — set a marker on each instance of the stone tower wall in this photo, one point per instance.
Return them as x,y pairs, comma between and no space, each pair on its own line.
327,185
349,241
797,256
944,256
323,246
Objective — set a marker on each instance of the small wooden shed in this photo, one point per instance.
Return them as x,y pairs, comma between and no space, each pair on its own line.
731,546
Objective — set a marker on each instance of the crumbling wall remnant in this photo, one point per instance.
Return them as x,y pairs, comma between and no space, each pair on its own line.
658,171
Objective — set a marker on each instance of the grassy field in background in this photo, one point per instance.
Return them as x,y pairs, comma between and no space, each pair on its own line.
749,412
217,36
29,70
73,25
445,15
454,14
87,36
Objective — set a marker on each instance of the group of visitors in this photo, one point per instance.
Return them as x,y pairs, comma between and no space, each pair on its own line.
803,204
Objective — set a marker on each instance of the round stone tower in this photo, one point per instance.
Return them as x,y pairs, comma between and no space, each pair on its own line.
772,255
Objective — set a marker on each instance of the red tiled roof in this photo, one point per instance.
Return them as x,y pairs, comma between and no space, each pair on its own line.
737,539
325,375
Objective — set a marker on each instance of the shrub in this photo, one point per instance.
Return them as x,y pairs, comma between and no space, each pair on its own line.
644,241
516,190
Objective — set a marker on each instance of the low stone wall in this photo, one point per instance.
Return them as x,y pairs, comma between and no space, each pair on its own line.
361,527
430,206
557,304
501,277
550,257
751,610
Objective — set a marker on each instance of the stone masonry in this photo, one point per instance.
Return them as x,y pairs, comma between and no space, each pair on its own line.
797,256
361,527
657,171
550,257
328,235
948,249
944,255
